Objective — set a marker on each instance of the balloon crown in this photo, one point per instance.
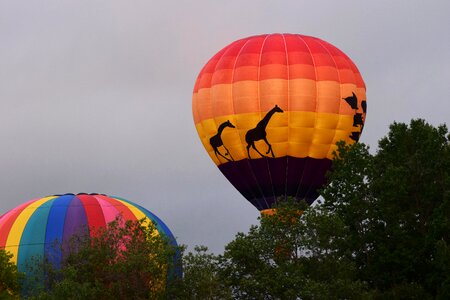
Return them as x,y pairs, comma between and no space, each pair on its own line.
92,194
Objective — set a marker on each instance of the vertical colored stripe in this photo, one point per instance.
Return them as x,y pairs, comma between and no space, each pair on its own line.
134,210
160,226
7,221
94,212
55,230
75,222
33,236
15,234
110,212
124,211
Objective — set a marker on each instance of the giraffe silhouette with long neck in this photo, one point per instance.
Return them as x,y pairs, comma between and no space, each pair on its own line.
216,141
259,133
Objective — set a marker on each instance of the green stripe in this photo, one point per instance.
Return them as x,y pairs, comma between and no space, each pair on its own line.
33,237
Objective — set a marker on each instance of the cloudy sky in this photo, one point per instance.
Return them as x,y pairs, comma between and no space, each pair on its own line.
95,96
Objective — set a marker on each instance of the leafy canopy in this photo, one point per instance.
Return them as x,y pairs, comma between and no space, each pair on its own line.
382,232
396,207
125,260
9,276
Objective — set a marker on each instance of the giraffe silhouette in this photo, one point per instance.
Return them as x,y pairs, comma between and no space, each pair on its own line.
259,133
216,141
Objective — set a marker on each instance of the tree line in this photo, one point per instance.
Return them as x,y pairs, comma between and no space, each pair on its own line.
382,231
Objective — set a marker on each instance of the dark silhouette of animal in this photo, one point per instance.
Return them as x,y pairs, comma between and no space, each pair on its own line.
259,133
364,106
352,101
357,120
357,117
216,141
355,135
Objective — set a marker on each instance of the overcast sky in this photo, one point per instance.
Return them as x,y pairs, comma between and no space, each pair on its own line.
95,96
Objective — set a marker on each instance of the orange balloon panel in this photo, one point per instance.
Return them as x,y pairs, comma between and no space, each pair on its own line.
270,103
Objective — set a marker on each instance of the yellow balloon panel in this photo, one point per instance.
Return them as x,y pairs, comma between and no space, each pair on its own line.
17,229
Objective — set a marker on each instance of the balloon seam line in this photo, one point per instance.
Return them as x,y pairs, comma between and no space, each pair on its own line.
260,117
315,113
289,118
234,113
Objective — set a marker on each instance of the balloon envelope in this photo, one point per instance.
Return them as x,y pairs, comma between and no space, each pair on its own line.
269,110
32,229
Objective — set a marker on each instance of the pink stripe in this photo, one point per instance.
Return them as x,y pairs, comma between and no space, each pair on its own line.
109,211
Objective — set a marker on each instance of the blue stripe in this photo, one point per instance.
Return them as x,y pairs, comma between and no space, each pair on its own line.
55,230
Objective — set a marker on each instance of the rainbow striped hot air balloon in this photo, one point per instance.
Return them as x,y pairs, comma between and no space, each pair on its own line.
269,110
31,229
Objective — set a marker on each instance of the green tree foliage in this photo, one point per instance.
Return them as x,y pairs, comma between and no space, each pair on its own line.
396,207
201,279
121,261
382,232
291,255
9,277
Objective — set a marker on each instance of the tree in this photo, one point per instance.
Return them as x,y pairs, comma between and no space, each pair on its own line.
201,277
396,207
121,261
291,255
382,232
9,277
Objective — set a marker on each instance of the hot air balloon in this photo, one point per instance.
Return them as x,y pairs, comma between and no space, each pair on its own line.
269,110
32,229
